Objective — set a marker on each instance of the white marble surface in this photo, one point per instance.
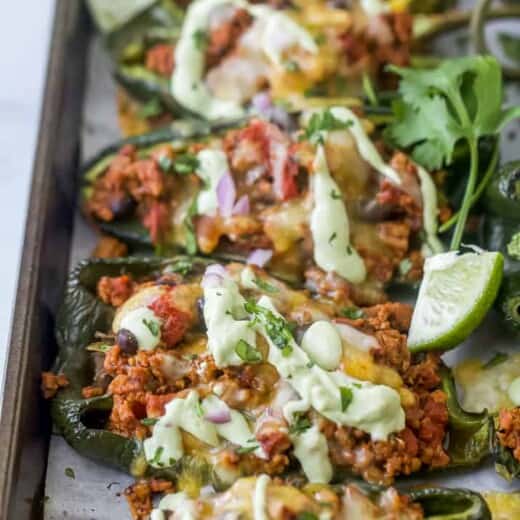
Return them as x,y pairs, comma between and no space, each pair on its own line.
22,77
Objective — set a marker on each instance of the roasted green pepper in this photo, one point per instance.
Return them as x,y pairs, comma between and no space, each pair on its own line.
506,465
81,420
500,231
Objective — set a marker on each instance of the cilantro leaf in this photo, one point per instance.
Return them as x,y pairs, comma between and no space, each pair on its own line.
247,352
300,424
321,122
346,397
186,163
461,99
275,326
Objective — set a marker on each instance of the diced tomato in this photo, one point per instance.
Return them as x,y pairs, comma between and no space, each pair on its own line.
175,322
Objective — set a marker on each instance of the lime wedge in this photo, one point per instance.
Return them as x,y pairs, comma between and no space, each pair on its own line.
456,292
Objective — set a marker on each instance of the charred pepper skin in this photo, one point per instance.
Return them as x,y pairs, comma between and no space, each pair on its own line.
500,224
82,314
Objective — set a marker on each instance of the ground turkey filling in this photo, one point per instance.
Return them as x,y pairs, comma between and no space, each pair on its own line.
141,389
272,170
508,432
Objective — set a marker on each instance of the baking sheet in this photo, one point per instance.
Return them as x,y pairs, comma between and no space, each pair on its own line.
95,492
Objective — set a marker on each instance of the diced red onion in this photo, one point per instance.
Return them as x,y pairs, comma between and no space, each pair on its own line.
260,257
226,195
217,269
219,416
242,206
262,102
213,276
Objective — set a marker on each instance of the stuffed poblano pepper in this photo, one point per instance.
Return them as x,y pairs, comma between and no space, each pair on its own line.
197,373
328,204
229,57
261,497
500,231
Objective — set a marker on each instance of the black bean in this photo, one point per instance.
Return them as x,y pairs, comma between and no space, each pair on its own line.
122,206
127,341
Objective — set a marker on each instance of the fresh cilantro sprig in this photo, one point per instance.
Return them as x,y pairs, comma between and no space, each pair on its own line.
275,326
460,100
321,122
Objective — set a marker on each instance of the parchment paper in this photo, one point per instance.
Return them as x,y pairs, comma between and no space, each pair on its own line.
94,493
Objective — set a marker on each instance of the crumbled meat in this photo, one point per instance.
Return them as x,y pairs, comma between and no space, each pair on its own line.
508,432
91,391
115,290
51,383
222,39
110,247
139,496
160,59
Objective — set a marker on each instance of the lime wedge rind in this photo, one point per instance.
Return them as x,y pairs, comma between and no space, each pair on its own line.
456,293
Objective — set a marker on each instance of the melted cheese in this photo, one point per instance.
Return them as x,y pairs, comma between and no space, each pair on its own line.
224,313
279,33
330,226
165,445
213,165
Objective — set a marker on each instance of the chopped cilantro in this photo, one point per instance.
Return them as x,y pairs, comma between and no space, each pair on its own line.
321,122
305,515
99,346
69,472
335,195
497,359
200,39
151,108
333,237
275,326
513,248
199,409
183,267
352,313
246,449
346,397
349,250
265,286
320,39
152,326
368,88
189,229
300,424
165,164
149,421
247,352
186,163
157,455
